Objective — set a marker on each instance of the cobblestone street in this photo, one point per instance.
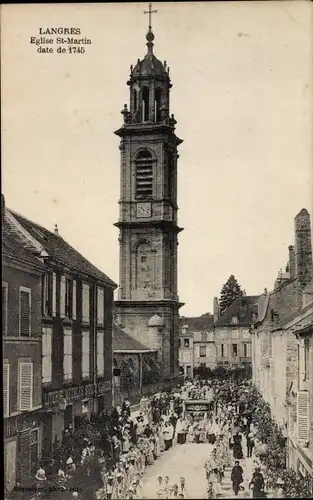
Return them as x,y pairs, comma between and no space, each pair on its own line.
186,461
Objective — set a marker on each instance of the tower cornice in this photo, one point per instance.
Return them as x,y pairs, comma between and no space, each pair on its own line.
147,129
162,224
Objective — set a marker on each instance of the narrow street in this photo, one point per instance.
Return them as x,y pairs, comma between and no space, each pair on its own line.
186,461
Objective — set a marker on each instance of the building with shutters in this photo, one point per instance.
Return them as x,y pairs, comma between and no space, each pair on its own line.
136,371
75,310
232,332
196,343
282,354
22,273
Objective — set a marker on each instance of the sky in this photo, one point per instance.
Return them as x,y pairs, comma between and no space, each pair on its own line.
242,98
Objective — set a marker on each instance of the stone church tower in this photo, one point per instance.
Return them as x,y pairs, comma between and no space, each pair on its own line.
148,305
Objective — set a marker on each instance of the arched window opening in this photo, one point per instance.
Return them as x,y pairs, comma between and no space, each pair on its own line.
170,173
144,175
145,104
135,102
157,104
144,266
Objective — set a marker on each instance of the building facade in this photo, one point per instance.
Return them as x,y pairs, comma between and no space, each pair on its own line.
22,273
282,349
196,344
232,332
148,213
75,314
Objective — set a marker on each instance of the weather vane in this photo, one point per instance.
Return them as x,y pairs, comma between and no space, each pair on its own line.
150,12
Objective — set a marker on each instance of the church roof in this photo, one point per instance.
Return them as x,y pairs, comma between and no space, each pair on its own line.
61,251
243,308
125,343
150,65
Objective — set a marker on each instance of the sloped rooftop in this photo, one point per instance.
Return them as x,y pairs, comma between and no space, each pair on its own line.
124,342
61,251
243,308
196,324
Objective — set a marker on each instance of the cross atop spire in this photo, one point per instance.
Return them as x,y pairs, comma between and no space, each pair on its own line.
150,12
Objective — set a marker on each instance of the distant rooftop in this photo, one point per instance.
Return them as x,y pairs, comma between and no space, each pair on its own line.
199,323
242,308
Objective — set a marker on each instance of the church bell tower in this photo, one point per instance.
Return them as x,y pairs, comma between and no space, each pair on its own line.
148,303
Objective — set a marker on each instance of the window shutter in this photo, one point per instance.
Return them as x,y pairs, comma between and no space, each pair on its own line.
85,354
54,294
100,306
47,355
86,317
74,299
100,353
25,312
4,308
6,390
62,297
67,354
303,415
26,386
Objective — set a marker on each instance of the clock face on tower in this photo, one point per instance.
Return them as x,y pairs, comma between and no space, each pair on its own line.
144,209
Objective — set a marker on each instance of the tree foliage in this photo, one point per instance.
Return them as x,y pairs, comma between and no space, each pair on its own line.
230,291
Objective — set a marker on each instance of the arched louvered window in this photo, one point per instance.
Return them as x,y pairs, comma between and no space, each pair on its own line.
145,104
144,175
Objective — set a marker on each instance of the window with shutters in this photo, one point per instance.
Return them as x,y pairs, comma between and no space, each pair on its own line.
100,353
25,311
86,303
74,299
69,298
85,355
223,351
4,308
203,336
67,355
247,350
144,175
235,350
202,351
306,356
62,296
303,416
46,355
6,390
100,306
46,295
25,386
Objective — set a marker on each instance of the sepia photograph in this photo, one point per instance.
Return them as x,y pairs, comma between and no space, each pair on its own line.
157,273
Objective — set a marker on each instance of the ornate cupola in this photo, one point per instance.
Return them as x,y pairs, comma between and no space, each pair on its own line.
149,84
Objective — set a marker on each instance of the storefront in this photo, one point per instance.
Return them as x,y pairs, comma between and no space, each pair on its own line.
22,449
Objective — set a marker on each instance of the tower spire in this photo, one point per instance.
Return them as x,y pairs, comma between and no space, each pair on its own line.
150,35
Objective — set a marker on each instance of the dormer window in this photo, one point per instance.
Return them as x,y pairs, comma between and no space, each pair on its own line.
235,320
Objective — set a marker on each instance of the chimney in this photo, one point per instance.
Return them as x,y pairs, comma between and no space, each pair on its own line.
303,247
56,229
244,293
216,309
292,261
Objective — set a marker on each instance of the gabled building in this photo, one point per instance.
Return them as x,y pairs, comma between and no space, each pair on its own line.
75,313
282,349
232,331
22,273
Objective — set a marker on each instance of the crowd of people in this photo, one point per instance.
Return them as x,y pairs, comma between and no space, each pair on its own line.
114,460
